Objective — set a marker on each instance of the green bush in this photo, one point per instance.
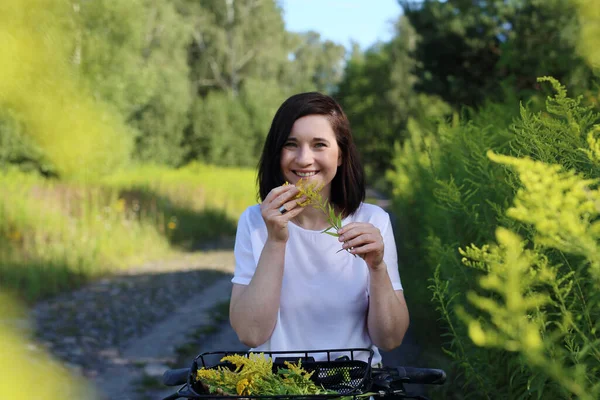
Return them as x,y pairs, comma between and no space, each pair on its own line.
508,245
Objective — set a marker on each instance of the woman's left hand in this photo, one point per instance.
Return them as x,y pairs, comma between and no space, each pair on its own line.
365,240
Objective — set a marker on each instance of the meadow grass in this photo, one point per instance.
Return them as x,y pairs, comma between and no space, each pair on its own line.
56,235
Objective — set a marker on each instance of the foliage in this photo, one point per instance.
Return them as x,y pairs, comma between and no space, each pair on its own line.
546,312
316,65
29,364
531,299
378,95
467,49
254,374
17,148
43,103
88,229
134,56
589,18
219,131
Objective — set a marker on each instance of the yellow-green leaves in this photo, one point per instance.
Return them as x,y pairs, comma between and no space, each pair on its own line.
524,303
561,205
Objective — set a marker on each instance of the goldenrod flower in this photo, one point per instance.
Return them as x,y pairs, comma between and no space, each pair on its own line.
254,374
209,374
314,198
243,387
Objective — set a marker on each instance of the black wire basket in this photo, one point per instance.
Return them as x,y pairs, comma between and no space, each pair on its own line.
346,372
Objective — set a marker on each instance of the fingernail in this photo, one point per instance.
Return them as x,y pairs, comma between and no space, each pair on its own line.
341,238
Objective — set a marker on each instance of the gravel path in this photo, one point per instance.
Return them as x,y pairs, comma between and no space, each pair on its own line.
120,330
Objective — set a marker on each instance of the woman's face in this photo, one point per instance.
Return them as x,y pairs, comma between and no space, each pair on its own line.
311,152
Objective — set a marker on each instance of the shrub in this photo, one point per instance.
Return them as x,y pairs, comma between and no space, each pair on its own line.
519,310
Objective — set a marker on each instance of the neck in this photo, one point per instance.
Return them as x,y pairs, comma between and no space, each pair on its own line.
311,219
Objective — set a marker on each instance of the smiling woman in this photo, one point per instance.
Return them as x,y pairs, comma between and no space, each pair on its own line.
311,153
293,289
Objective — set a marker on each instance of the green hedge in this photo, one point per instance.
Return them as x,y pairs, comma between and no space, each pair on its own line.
499,248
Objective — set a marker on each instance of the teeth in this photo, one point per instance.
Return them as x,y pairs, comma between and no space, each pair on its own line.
305,174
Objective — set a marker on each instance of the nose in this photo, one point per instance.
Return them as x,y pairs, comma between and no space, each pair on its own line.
304,156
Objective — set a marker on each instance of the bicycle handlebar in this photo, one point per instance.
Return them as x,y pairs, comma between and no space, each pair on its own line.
175,377
428,376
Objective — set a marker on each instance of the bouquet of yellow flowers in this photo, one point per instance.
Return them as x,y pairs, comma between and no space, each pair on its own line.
253,375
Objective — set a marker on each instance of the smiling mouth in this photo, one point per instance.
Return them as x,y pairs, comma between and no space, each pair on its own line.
305,174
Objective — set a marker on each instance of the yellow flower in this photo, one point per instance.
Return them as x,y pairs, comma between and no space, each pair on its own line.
243,387
171,225
210,374
312,192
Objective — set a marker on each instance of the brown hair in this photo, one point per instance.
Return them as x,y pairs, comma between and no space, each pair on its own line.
348,185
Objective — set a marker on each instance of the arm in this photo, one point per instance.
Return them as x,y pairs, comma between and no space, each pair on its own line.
253,308
388,317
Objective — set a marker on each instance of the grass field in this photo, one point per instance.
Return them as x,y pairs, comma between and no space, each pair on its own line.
56,235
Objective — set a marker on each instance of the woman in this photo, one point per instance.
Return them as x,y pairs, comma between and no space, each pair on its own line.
293,289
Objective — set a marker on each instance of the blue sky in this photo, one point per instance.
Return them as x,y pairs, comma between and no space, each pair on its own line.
364,21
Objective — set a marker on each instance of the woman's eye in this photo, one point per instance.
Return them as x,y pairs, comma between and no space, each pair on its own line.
320,145
290,144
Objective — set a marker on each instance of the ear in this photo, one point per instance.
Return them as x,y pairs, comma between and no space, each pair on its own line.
339,163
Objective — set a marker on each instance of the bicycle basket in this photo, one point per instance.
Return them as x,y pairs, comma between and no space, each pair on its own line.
340,372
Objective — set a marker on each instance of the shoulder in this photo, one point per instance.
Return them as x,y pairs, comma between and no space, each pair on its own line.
252,217
371,213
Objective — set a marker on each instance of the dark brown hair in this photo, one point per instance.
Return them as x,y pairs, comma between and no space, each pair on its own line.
348,185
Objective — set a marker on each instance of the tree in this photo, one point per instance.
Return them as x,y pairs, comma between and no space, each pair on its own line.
469,49
314,65
134,56
49,119
378,94
234,40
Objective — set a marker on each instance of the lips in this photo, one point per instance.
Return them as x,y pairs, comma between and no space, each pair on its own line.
306,174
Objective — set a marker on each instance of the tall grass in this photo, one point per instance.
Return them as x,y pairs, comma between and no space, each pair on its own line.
56,235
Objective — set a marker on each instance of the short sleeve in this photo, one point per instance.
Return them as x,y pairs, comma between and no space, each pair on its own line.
390,255
245,264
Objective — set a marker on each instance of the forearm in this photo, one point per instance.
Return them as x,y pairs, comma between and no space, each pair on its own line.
253,313
388,317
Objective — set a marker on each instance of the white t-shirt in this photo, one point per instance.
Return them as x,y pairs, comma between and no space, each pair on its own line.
325,293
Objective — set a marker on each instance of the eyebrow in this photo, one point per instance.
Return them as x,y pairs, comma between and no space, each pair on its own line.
317,139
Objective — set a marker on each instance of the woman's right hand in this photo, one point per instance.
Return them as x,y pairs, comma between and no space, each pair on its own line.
270,208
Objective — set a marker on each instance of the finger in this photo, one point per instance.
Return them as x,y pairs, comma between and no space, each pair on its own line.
285,208
366,249
278,191
362,250
360,240
298,201
293,212
284,197
351,231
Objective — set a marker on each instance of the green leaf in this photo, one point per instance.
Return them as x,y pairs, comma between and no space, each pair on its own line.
332,234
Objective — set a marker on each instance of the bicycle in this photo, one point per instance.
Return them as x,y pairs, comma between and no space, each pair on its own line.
344,373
